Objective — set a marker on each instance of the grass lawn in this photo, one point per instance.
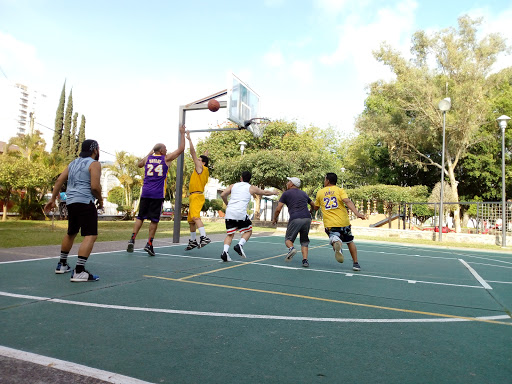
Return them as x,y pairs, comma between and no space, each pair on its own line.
23,233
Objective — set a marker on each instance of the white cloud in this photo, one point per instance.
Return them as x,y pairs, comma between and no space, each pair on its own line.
358,40
273,58
17,56
302,71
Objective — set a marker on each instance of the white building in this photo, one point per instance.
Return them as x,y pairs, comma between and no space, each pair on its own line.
20,107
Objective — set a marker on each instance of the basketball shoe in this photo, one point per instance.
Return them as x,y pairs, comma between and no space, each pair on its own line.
240,250
337,251
191,245
204,241
290,254
225,257
62,268
83,276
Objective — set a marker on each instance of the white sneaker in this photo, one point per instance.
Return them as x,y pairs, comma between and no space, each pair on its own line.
290,254
62,268
83,276
337,251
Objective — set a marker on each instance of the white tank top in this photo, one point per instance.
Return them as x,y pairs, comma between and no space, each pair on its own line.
240,197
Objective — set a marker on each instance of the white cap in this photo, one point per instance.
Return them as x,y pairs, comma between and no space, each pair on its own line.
295,181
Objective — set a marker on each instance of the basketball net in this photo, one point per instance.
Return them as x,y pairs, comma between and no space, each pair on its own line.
257,126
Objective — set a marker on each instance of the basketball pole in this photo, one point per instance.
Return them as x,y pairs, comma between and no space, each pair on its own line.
197,105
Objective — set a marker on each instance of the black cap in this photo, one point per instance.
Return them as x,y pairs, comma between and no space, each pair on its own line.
87,147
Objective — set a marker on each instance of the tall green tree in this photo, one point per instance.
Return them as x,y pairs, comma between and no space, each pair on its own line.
73,141
66,132
81,135
59,121
403,114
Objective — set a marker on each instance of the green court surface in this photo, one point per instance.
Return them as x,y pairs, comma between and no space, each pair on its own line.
411,315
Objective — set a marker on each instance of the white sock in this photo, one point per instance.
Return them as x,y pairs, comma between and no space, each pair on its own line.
226,248
193,236
242,242
202,231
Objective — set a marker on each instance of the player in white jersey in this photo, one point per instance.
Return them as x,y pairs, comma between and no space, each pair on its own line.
236,213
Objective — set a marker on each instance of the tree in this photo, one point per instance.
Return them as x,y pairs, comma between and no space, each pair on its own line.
59,121
81,135
283,151
29,180
66,132
128,173
30,146
73,143
403,114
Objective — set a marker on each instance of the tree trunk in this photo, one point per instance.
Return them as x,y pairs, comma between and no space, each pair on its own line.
4,214
455,192
257,204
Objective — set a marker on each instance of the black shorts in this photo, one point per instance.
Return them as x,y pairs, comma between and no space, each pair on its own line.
150,209
241,226
343,233
82,216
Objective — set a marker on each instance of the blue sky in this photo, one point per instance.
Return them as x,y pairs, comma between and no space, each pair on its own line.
132,64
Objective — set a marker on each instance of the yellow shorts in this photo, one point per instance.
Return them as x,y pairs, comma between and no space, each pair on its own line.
196,202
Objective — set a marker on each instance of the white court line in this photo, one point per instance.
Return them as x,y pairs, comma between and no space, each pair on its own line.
350,274
490,265
68,366
250,316
476,275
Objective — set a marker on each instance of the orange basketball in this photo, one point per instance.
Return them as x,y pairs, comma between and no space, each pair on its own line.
213,105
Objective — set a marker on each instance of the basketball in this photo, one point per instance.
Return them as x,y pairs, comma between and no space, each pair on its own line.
213,105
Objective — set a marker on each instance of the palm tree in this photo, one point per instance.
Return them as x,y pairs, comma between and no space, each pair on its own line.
128,173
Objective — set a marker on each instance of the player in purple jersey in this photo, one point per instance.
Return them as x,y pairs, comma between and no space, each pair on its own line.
156,164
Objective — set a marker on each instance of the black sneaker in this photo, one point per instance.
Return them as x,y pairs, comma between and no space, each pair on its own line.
204,241
191,245
305,263
149,249
131,244
225,257
240,250
356,267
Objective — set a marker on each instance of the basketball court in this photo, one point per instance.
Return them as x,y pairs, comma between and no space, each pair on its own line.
412,314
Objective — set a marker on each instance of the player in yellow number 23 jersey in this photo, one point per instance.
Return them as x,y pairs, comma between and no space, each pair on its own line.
332,200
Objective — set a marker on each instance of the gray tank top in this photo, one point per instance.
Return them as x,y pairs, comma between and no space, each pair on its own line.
79,181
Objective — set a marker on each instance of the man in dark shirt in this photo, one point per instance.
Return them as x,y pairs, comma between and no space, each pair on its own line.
300,219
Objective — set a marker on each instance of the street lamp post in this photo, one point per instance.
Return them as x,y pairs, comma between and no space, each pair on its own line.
444,105
242,145
342,175
503,120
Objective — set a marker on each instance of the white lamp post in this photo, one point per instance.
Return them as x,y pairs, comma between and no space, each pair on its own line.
242,145
502,121
342,175
444,105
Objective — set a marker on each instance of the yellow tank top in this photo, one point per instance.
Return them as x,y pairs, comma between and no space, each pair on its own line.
198,181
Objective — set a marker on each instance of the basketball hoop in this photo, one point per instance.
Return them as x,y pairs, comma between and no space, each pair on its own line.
256,126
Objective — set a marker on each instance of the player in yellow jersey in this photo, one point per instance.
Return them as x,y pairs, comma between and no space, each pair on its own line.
196,186
332,200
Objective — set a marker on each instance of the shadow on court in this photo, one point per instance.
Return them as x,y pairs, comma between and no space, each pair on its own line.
412,314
